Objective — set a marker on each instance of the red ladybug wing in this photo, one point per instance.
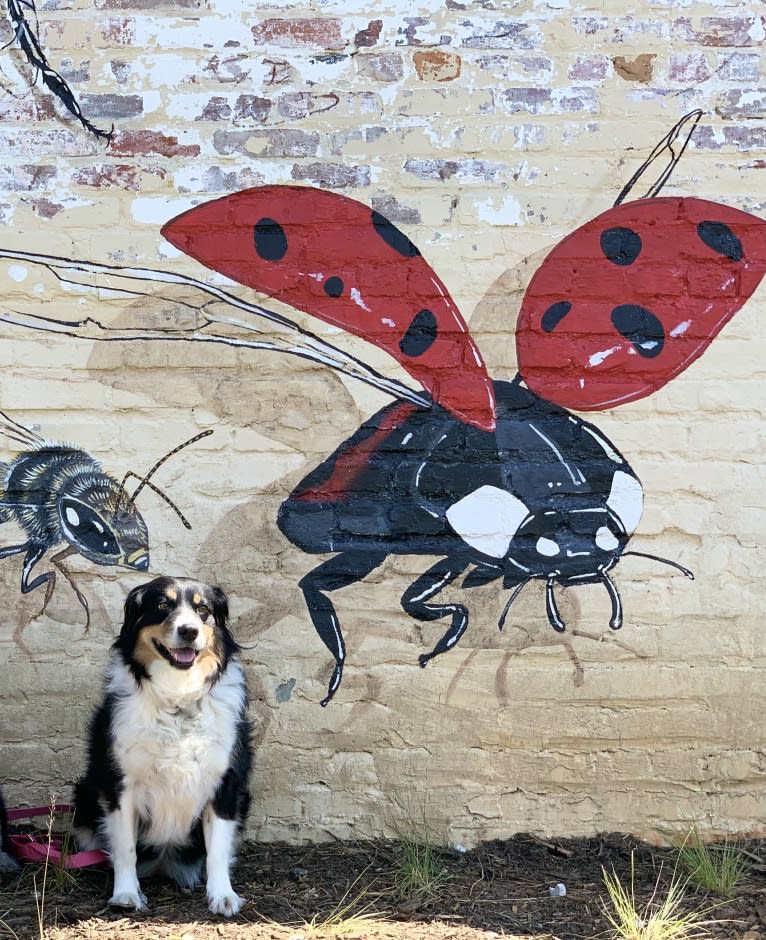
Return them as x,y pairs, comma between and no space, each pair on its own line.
338,260
630,299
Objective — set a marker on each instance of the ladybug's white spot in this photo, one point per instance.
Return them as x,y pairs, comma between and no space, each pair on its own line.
681,328
597,358
488,519
356,297
72,517
626,500
386,321
547,547
606,540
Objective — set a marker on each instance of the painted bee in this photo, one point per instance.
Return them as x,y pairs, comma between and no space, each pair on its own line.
60,495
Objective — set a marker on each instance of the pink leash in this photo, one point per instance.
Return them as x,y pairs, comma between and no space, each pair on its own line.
37,847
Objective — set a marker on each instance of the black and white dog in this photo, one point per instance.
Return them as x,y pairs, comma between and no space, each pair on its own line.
169,752
7,862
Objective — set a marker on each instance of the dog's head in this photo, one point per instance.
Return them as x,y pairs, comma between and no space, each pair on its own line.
176,624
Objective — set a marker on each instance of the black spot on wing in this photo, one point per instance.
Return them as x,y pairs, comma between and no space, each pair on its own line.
393,237
554,315
420,335
621,245
333,287
270,240
719,237
641,327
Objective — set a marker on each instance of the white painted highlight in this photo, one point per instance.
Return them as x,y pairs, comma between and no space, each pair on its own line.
488,519
626,500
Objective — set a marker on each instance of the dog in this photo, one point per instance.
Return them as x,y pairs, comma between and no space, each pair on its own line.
166,785
8,864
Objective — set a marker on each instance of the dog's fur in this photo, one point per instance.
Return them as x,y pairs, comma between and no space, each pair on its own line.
165,789
7,862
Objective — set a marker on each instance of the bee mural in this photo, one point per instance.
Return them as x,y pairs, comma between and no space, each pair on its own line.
59,495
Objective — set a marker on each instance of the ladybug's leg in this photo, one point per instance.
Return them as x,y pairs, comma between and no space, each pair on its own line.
336,573
429,585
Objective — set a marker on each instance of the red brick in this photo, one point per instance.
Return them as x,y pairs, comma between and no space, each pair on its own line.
369,37
689,67
138,143
109,176
319,33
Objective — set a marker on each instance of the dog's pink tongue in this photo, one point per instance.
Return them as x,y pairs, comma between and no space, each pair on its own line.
184,655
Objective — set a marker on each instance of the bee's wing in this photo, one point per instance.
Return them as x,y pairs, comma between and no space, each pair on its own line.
339,260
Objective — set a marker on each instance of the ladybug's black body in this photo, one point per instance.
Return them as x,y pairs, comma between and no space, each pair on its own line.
543,496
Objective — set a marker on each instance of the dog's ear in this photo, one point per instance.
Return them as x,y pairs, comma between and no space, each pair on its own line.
220,605
133,607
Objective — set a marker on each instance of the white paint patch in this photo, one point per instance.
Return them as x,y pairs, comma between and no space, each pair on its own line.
606,540
547,547
488,519
18,272
626,500
156,210
356,297
507,212
387,322
597,358
681,328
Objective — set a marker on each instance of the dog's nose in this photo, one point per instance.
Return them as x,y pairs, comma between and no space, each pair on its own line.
187,632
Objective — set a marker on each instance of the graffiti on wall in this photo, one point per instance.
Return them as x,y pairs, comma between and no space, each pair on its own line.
497,479
59,495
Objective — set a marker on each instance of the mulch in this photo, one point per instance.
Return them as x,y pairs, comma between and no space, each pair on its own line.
502,888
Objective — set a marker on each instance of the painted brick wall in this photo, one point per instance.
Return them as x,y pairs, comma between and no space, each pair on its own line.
486,132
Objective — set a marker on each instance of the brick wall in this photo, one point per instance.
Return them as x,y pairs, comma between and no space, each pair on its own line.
486,133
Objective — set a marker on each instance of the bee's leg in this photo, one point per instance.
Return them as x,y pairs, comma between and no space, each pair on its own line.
336,573
429,585
58,561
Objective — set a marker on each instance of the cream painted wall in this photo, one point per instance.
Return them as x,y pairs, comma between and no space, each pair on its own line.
487,132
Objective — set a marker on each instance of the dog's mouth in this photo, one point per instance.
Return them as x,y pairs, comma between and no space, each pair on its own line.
181,657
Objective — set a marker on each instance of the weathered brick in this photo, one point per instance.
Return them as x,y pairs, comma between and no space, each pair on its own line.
332,175
108,176
739,66
217,109
447,169
589,68
722,30
505,34
742,104
382,67
369,36
128,143
251,108
688,67
275,142
318,33
437,66
112,106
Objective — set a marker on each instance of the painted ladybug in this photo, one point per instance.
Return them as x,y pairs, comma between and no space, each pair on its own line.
495,478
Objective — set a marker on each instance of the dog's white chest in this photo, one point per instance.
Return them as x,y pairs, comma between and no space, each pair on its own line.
172,761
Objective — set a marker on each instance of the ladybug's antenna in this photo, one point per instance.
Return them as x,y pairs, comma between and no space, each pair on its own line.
511,599
144,481
667,143
664,561
615,621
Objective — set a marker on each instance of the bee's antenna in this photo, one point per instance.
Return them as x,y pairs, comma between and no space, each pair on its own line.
615,621
511,599
144,481
17,432
666,143
554,617
664,561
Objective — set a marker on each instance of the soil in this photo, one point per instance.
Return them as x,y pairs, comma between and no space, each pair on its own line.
502,888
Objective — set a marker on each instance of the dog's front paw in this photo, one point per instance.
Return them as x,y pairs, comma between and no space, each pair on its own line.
135,899
226,904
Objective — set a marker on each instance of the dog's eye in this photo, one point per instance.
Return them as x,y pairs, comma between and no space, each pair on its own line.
203,612
164,606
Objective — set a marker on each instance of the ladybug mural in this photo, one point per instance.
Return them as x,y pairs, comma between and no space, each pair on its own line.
498,479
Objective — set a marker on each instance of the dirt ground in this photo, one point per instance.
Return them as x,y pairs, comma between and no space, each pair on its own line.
499,889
